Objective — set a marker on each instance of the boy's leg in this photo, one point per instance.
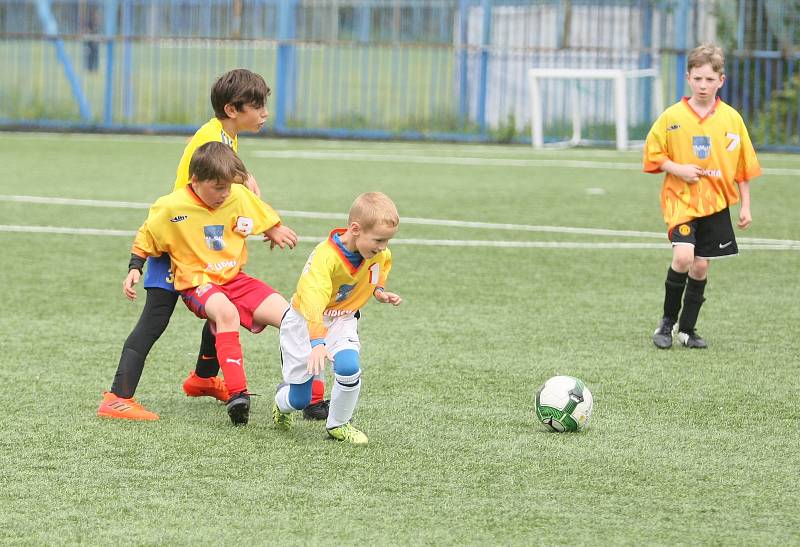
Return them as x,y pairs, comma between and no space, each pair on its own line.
204,380
692,302
158,307
271,312
344,397
294,392
119,403
682,238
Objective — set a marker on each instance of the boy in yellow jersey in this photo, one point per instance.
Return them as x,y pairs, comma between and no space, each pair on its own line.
703,146
341,275
203,227
238,98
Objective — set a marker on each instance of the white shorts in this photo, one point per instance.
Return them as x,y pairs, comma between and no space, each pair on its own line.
296,347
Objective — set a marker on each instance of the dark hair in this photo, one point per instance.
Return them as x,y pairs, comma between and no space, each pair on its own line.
216,161
238,87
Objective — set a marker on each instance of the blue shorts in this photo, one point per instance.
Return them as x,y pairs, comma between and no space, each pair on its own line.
158,274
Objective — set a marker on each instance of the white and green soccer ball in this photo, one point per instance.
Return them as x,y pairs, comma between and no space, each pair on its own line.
564,403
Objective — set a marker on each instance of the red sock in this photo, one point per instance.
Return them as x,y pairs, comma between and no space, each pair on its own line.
229,353
317,391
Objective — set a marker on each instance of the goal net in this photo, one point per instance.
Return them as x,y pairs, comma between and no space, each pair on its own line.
570,107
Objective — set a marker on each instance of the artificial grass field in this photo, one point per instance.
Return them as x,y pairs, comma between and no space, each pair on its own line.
684,447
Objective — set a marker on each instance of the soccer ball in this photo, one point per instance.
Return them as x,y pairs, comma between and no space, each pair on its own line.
564,403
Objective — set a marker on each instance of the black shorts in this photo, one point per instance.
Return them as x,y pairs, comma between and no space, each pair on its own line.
711,236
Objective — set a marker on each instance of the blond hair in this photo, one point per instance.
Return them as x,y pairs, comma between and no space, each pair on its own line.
374,208
706,54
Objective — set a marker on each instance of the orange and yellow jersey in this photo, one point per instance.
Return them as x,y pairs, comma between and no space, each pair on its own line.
718,143
211,131
205,245
330,286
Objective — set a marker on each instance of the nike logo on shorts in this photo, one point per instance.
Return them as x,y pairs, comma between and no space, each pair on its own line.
722,246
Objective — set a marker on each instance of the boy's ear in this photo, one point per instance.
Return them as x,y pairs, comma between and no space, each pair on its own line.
230,110
355,228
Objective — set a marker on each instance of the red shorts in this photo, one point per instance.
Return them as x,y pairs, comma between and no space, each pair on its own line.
247,293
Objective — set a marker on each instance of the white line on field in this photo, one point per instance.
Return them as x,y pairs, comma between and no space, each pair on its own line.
400,241
406,220
465,160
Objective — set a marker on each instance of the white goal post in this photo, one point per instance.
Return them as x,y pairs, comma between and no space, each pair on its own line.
620,78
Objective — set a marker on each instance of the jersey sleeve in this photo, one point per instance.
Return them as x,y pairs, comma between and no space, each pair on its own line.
150,234
387,265
748,167
263,215
655,151
314,292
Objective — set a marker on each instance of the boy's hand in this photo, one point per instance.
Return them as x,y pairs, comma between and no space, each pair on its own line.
281,236
316,361
387,297
127,285
252,185
745,219
688,172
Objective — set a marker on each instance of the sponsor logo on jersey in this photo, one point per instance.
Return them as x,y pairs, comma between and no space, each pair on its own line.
179,218
219,266
701,146
213,234
673,127
337,313
712,173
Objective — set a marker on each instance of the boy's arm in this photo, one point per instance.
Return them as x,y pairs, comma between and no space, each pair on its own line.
380,292
745,218
267,221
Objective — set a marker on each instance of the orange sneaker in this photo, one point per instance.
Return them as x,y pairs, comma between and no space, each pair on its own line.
127,409
195,386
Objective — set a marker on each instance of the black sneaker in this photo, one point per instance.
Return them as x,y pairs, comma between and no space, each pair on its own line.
691,340
239,408
662,337
317,411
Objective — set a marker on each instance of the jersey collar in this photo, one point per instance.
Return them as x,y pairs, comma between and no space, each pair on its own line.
685,101
352,269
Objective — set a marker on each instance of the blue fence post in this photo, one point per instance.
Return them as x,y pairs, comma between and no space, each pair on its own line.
646,58
110,30
45,12
682,45
127,57
486,42
284,69
363,23
463,60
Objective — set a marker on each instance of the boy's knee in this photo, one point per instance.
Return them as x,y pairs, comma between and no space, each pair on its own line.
300,395
346,366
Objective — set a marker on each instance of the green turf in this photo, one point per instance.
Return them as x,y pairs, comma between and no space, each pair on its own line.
684,447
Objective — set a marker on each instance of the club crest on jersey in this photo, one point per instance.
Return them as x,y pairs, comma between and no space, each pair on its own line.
701,146
213,235
344,292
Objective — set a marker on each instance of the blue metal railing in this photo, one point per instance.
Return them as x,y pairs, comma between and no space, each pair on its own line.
445,69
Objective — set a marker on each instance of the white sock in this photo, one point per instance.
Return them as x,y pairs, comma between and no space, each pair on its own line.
282,399
343,399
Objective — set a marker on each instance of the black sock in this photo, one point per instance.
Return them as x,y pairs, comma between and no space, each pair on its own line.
207,363
158,308
691,304
673,293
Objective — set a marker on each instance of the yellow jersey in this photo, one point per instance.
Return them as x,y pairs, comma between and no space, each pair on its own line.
331,286
718,143
211,131
205,245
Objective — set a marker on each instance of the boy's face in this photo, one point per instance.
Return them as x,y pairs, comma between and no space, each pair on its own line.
373,241
249,118
212,192
704,82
